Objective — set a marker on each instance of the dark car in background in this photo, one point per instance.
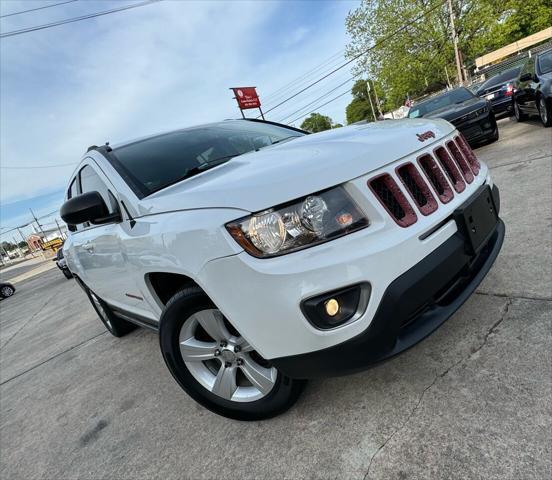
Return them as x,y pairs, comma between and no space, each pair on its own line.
499,90
533,89
470,114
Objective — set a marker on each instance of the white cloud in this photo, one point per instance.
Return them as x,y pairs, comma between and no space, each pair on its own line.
130,74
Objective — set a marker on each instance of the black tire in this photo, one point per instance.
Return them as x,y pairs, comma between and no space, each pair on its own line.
518,114
113,324
545,111
180,308
67,273
7,291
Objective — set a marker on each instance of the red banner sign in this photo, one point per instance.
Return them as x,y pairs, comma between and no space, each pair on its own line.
247,97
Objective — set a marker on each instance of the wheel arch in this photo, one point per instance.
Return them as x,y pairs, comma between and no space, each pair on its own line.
163,285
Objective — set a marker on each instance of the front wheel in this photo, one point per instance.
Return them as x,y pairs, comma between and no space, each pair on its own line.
216,366
67,273
6,291
544,112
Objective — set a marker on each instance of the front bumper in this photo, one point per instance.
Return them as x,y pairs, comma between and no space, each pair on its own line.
413,306
479,129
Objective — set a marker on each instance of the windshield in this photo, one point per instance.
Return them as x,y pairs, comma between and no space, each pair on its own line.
501,78
442,101
160,161
545,62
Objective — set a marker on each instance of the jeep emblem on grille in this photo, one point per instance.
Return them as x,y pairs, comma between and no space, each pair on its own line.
425,136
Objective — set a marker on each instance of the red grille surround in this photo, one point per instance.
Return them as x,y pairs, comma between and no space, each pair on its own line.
450,168
436,178
393,200
461,161
468,153
417,188
452,161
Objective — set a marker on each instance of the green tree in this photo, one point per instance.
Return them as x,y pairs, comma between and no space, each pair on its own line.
337,125
317,123
8,246
360,108
420,57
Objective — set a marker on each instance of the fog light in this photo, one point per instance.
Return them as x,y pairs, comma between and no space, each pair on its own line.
332,307
337,307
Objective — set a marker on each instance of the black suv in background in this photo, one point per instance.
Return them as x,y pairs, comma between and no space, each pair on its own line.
472,115
533,89
499,90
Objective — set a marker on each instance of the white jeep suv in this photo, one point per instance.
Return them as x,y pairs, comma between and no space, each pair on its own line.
265,256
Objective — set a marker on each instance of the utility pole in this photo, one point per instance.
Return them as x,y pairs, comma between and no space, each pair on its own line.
59,230
39,226
377,99
370,98
20,253
5,254
455,43
23,238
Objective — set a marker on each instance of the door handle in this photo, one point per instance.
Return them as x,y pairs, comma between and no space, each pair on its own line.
89,247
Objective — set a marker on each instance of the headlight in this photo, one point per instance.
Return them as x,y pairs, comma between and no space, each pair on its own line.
300,224
481,111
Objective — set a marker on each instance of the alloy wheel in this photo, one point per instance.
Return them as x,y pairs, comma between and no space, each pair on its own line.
222,361
7,291
543,111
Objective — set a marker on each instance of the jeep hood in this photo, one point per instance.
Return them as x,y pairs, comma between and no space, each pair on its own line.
276,174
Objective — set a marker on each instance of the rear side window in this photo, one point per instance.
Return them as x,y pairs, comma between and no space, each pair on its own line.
160,161
545,63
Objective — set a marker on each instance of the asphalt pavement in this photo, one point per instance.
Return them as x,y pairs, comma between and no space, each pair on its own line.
474,400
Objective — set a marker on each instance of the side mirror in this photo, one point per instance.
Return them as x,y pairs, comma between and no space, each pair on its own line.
88,207
526,77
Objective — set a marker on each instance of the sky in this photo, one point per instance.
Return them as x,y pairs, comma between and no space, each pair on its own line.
142,71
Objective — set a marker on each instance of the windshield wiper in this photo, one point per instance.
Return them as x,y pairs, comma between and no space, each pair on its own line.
206,166
195,170
285,138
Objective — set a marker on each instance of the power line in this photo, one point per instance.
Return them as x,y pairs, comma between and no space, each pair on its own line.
320,106
30,167
302,79
38,8
316,100
348,62
76,19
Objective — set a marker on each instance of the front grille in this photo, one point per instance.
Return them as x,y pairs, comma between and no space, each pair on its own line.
391,197
468,154
452,171
461,161
473,131
418,188
453,160
436,178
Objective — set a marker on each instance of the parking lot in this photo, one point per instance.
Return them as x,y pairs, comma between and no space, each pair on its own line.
474,400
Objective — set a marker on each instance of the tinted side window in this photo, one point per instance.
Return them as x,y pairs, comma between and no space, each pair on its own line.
545,63
91,182
72,192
